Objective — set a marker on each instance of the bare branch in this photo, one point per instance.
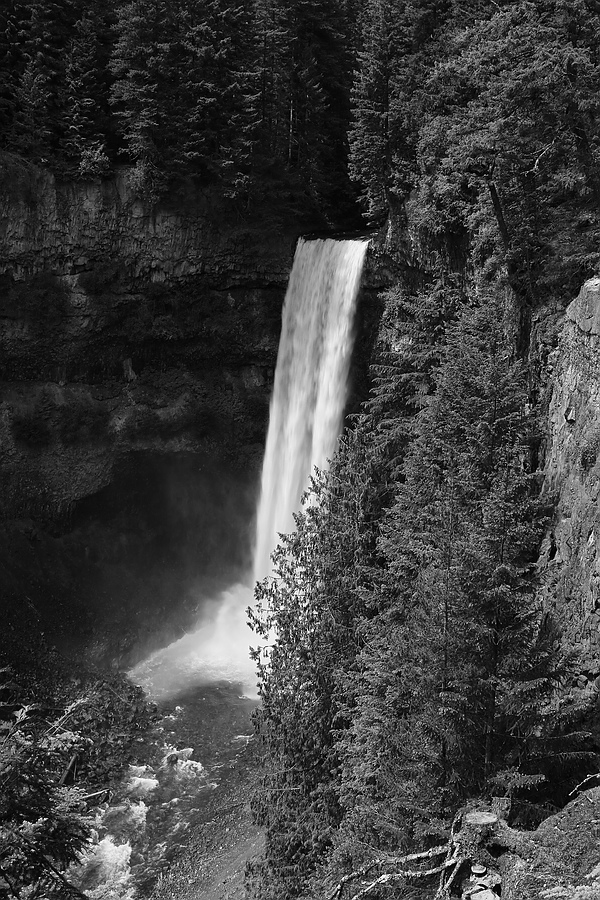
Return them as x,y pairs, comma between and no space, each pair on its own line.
443,892
397,876
423,854
547,148
358,873
585,781
387,860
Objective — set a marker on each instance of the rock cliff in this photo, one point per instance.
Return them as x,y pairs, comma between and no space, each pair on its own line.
131,337
125,327
571,559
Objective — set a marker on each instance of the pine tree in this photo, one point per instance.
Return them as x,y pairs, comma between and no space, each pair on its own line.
399,48
216,116
37,122
142,63
474,530
86,99
12,22
305,60
509,132
310,610
370,137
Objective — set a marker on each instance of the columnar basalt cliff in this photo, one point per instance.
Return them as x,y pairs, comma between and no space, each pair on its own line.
125,326
571,560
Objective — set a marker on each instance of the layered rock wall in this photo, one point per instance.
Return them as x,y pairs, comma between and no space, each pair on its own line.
127,327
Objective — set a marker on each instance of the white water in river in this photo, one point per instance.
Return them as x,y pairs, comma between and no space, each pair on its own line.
307,408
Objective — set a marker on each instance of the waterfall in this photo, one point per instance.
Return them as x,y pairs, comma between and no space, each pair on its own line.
307,408
311,378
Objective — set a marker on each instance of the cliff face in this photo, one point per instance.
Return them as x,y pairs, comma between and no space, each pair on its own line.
137,351
571,558
127,328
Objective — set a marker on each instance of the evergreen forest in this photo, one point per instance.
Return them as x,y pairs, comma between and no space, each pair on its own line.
411,667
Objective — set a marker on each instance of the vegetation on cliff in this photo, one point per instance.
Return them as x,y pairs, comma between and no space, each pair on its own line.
252,96
412,666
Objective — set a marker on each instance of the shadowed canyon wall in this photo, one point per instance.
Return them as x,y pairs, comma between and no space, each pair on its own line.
137,352
128,328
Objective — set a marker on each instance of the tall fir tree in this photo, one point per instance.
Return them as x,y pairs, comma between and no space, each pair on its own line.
37,123
85,108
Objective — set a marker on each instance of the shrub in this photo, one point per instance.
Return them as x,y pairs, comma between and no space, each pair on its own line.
46,768
43,823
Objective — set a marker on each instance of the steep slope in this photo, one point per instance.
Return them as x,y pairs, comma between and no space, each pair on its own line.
571,559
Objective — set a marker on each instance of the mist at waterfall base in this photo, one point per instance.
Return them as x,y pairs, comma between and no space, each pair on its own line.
306,417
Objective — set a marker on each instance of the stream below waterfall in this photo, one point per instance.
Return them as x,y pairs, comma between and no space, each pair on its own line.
178,817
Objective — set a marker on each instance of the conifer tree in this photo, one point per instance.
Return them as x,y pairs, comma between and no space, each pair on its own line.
309,609
143,61
273,55
38,118
12,22
370,136
86,99
473,533
399,48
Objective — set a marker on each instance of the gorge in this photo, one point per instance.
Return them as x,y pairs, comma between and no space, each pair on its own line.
429,706
97,432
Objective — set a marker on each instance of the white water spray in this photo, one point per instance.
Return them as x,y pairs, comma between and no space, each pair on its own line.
306,413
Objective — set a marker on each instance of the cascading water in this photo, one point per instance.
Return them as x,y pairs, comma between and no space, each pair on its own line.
311,378
305,420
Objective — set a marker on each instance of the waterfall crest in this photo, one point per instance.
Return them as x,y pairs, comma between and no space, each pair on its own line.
311,382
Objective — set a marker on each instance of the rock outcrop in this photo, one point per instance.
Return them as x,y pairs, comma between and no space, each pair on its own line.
571,559
560,859
137,349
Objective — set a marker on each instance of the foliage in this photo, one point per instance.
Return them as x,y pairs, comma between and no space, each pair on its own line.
307,612
487,114
112,720
218,91
43,823
409,665
475,528
54,753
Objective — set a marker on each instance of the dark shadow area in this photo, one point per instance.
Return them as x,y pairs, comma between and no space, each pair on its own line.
136,563
168,534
